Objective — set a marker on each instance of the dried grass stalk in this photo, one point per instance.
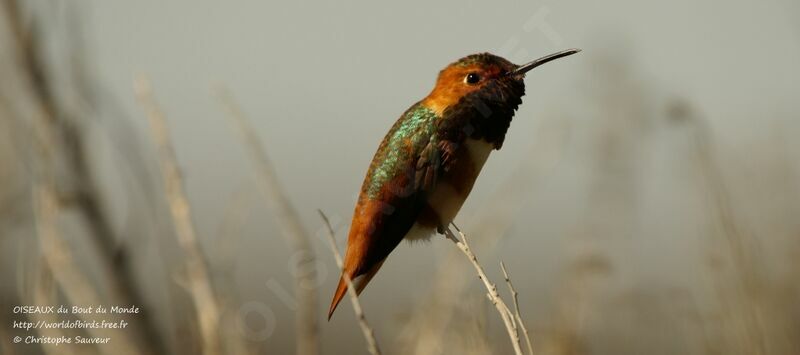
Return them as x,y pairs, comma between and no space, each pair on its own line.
70,279
44,293
305,281
517,315
65,125
494,297
199,284
369,334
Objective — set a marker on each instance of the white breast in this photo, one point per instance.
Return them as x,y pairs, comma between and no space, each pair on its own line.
445,199
479,151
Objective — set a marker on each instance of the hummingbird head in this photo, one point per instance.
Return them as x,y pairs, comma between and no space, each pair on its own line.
483,91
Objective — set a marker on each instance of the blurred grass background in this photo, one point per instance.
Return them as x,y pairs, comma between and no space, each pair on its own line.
645,201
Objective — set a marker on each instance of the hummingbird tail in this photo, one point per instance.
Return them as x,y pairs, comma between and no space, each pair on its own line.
359,282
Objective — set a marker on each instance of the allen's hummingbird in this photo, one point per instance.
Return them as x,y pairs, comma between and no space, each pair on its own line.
426,165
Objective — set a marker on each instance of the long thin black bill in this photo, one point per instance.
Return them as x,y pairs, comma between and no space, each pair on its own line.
533,64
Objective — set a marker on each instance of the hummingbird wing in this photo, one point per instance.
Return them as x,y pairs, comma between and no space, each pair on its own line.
437,157
405,168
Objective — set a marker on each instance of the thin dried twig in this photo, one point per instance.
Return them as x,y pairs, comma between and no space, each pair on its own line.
68,130
515,296
431,321
494,297
53,265
228,239
369,334
44,292
748,271
56,254
307,316
199,283
77,289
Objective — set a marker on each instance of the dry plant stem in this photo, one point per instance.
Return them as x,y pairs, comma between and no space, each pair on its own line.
517,314
351,291
306,322
58,260
27,41
199,284
44,293
77,289
44,288
494,297
744,259
228,239
429,326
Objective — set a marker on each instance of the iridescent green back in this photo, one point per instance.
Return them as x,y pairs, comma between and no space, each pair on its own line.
400,148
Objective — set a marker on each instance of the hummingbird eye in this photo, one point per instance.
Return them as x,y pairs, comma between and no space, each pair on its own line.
472,78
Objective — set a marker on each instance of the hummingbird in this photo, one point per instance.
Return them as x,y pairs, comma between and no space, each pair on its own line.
427,163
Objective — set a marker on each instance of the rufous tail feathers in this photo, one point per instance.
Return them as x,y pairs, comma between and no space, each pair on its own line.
359,282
